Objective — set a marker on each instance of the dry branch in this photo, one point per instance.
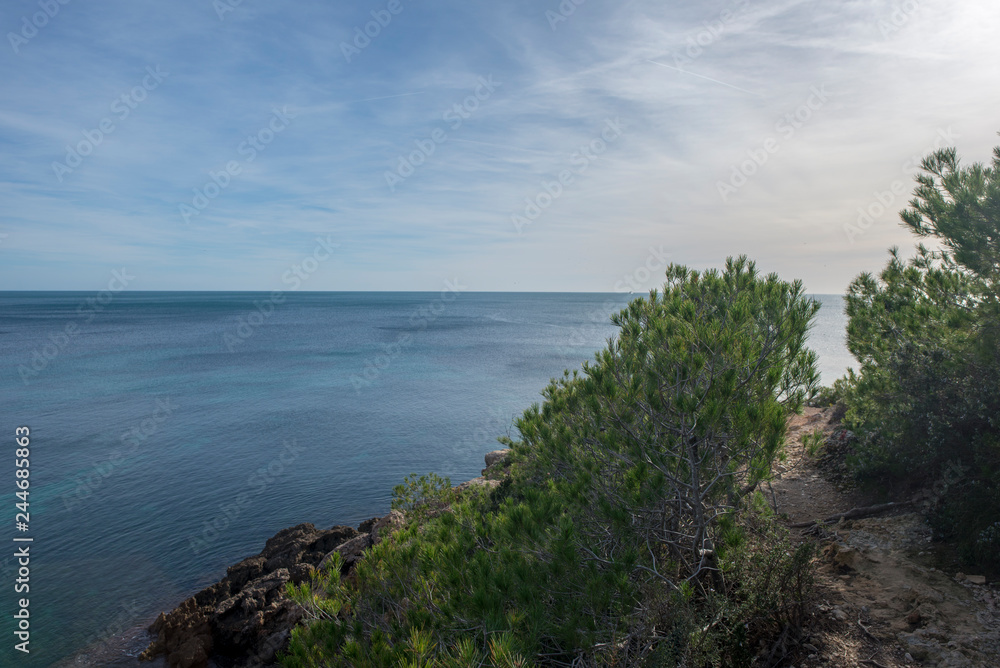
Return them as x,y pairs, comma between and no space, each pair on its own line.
854,513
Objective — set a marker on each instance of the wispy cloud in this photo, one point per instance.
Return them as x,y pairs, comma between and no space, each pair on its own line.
700,87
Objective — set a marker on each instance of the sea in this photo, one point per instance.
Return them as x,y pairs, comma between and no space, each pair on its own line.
172,433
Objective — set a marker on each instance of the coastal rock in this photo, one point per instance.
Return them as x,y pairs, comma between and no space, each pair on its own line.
268,653
353,550
394,521
366,526
496,463
255,613
497,456
349,552
184,636
478,482
192,654
245,618
300,573
301,543
334,537
246,570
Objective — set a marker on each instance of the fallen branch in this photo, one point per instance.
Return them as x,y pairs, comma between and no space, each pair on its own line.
868,633
853,514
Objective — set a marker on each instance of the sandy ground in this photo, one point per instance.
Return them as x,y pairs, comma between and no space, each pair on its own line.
886,596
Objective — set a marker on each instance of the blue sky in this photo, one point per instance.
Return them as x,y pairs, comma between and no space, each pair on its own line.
432,148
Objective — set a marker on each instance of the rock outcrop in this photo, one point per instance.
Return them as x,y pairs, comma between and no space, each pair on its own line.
246,618
496,457
352,550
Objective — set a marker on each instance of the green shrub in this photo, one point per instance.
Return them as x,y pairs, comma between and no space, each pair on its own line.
680,418
627,529
925,332
969,516
826,396
813,442
423,495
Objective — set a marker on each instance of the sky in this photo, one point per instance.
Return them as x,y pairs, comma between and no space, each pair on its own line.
524,145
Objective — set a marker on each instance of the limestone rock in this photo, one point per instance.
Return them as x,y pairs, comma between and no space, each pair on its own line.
496,462
394,521
366,526
478,482
246,570
842,556
497,456
350,551
192,654
184,636
245,618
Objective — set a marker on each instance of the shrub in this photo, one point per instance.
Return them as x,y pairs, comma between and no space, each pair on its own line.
813,442
680,418
423,495
826,396
925,333
629,532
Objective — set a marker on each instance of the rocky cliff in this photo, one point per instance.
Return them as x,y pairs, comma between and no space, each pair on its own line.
246,618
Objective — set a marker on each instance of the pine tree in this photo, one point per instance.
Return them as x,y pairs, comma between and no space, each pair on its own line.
926,333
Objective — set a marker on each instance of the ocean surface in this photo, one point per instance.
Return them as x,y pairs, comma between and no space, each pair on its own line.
173,433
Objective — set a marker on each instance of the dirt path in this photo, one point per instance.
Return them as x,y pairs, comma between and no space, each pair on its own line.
885,596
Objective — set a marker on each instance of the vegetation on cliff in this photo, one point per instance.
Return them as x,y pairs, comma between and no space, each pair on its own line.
926,332
630,529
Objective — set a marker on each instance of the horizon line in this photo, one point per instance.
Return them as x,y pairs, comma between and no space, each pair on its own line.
516,292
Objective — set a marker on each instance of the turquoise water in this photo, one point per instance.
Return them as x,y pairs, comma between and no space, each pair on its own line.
173,433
